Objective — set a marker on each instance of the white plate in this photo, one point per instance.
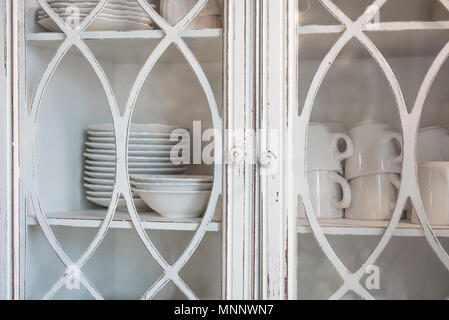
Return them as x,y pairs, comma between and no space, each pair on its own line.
103,182
111,158
104,202
173,186
82,16
100,24
109,175
98,187
109,134
80,3
117,10
104,194
137,127
140,147
188,204
133,165
136,141
150,178
135,170
134,153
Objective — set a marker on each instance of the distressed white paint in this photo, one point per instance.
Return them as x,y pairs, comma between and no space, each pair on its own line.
278,104
6,231
240,183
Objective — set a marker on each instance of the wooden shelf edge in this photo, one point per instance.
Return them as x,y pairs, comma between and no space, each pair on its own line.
137,34
150,221
369,228
382,26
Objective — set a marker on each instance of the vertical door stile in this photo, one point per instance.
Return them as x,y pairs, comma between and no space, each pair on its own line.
6,154
240,207
276,158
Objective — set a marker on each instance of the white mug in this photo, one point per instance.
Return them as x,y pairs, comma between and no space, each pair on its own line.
174,10
373,196
323,152
432,145
433,179
374,150
326,188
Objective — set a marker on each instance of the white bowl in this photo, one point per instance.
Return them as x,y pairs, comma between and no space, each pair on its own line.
172,178
173,186
136,127
180,204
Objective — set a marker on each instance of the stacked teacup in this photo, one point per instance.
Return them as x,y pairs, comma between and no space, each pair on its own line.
373,171
433,174
327,148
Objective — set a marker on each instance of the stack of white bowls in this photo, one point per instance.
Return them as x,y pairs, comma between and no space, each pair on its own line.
174,196
149,151
118,15
433,174
327,147
209,17
374,171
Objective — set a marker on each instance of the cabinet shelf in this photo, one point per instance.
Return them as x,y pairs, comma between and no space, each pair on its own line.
393,39
368,228
122,220
136,46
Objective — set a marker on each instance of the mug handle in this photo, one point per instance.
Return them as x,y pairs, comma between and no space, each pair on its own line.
396,182
391,135
340,156
347,195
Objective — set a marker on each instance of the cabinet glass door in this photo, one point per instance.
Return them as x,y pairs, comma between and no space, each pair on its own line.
120,128
371,144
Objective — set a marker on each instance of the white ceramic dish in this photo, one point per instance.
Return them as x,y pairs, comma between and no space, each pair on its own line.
136,141
118,11
104,202
187,204
101,24
96,181
323,151
111,158
132,165
136,127
433,179
433,144
104,194
134,153
330,194
172,186
137,147
373,196
71,2
98,187
117,15
111,175
205,22
109,134
174,10
151,178
134,170
375,145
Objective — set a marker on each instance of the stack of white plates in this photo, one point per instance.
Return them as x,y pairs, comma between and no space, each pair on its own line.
148,153
118,15
174,196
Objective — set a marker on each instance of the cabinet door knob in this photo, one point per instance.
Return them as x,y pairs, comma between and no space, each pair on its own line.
236,155
267,159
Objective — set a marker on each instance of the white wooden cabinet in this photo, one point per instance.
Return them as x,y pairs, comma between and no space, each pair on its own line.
273,68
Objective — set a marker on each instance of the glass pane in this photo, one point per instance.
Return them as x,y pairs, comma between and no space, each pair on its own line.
120,183
362,95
